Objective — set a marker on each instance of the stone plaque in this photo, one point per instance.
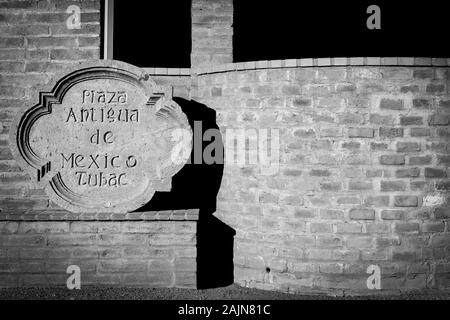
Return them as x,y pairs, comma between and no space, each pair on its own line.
104,138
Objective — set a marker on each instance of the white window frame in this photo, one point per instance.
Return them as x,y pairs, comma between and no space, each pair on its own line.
108,29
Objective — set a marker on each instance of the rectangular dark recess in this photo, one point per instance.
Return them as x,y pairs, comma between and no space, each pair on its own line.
282,29
153,33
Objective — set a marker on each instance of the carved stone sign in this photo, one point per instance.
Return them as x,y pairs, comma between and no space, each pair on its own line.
103,139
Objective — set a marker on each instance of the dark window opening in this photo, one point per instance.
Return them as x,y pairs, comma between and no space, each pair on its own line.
282,29
153,33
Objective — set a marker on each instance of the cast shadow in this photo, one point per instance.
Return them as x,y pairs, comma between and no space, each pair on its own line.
196,186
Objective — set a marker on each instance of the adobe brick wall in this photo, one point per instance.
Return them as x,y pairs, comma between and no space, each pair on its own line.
212,33
35,43
128,253
38,240
363,176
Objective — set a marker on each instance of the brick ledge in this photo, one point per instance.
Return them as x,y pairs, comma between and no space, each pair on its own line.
63,215
306,62
328,62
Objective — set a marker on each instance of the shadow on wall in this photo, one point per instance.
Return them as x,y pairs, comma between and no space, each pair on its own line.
196,186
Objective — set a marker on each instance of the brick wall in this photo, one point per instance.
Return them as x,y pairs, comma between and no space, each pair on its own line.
38,240
212,33
128,253
35,43
363,176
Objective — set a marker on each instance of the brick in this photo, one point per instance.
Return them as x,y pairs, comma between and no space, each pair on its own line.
304,213
361,214
320,173
421,186
360,132
409,88
390,132
72,240
330,132
443,103
378,146
305,133
320,227
91,41
404,255
386,186
381,119
376,201
331,214
351,145
266,197
61,29
392,159
420,132
94,227
350,118
302,102
360,185
440,240
43,227
349,227
22,240
374,173
11,42
442,213
443,185
43,42
356,159
24,204
392,214
435,173
406,227
439,120
292,172
408,147
421,160
408,121
74,54
443,132
433,227
290,90
331,186
11,66
17,4
406,201
423,74
394,72
422,103
38,54
301,241
304,74
8,227
392,104
435,88
359,242
378,227
345,87
407,173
